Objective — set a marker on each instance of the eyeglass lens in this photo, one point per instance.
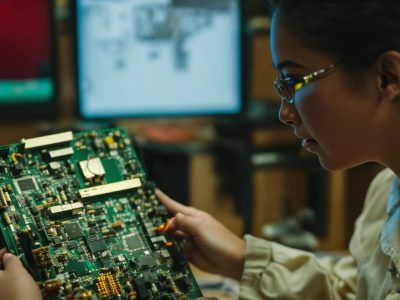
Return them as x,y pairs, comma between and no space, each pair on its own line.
284,90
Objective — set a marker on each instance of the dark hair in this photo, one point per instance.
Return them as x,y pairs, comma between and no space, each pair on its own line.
355,31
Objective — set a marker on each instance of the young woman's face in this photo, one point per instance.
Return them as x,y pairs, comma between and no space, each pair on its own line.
333,118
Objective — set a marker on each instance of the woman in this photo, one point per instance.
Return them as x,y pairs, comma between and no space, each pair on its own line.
339,79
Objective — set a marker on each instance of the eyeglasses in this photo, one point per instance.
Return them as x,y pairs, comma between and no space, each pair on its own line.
286,87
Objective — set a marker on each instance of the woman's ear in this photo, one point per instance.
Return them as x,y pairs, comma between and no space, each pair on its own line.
389,75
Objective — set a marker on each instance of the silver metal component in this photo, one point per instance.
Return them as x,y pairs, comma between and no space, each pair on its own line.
66,210
92,168
110,188
54,154
48,140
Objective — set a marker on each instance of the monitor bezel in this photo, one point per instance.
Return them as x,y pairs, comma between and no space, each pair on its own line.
46,111
240,114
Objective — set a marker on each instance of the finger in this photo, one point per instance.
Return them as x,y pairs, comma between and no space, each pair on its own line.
12,263
200,261
179,234
2,252
172,206
187,224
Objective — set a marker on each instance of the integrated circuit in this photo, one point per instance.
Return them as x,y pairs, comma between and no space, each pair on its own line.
146,261
26,184
133,242
80,213
96,243
73,230
77,267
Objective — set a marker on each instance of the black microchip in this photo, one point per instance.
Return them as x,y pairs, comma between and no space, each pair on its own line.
146,261
98,211
34,210
140,285
77,267
57,240
26,184
93,230
97,245
183,283
180,260
106,263
73,230
133,242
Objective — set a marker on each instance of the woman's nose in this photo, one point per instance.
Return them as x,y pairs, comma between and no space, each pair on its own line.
288,114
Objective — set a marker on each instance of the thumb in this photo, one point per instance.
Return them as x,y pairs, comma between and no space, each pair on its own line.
12,263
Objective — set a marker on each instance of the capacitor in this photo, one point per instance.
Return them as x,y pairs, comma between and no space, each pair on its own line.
7,218
63,196
8,198
3,198
52,287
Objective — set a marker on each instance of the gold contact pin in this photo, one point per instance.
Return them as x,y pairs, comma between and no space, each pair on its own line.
3,197
7,218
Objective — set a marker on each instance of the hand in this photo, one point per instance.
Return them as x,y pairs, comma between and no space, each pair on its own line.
15,281
210,245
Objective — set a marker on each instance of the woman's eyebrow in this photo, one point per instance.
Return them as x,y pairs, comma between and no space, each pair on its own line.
288,64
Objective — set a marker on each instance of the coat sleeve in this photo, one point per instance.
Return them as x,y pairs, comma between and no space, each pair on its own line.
274,271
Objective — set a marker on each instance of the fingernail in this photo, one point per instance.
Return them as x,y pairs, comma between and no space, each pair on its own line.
7,256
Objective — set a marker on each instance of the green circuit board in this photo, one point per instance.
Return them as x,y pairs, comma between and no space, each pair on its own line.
80,213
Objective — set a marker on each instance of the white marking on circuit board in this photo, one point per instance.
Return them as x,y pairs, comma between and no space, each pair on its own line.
61,152
110,188
48,140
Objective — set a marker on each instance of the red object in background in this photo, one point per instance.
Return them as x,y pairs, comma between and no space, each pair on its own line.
24,38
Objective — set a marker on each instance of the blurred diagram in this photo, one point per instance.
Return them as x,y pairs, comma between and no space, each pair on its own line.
177,22
190,49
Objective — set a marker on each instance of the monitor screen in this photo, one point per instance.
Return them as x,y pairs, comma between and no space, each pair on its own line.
158,57
27,84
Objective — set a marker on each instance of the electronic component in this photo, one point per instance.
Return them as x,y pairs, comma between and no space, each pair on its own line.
92,168
26,184
66,210
96,243
107,285
133,242
61,153
84,221
49,140
110,188
73,230
77,267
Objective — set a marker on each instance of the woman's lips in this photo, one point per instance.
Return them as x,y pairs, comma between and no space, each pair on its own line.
308,143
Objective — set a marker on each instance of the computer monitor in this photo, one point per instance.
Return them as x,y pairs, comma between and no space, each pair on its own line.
27,56
158,58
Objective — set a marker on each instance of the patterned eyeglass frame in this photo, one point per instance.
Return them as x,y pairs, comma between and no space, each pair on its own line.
282,85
